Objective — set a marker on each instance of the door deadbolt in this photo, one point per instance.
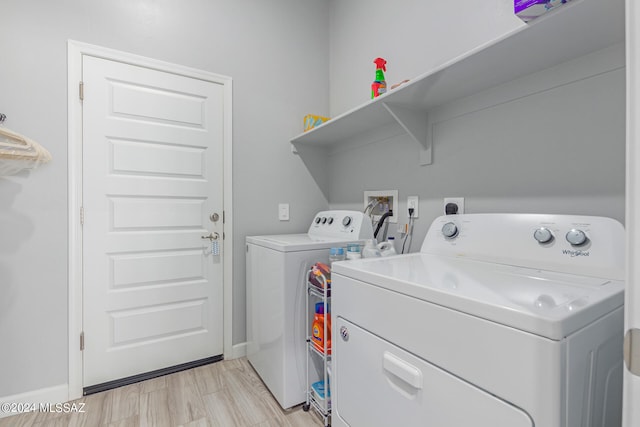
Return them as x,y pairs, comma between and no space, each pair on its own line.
214,217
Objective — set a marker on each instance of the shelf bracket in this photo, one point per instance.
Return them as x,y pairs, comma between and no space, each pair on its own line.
414,122
315,159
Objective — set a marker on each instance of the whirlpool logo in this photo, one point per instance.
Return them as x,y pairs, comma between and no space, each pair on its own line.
575,253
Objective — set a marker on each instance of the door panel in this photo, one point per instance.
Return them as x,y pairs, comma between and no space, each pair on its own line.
155,104
152,175
147,324
155,268
146,212
133,157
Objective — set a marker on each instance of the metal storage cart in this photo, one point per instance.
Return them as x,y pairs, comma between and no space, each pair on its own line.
318,392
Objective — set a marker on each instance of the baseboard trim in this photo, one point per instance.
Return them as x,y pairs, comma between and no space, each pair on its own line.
239,350
55,394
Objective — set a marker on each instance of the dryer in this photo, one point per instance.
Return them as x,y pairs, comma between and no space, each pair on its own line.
501,320
276,268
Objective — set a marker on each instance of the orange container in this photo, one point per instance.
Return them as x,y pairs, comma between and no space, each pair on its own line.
317,329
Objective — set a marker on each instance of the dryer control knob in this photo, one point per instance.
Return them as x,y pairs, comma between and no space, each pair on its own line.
576,237
346,221
318,219
543,235
330,220
324,220
450,230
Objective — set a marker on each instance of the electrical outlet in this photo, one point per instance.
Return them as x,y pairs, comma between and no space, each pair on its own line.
412,203
283,211
456,205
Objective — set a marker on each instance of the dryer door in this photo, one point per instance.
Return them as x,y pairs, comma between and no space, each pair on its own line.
379,384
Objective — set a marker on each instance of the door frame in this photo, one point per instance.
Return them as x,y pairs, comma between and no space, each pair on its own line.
630,409
75,51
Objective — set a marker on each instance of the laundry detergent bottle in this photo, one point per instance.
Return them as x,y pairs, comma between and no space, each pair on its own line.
379,85
370,250
317,328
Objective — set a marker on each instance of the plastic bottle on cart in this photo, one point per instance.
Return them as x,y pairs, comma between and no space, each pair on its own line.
353,251
317,328
370,250
392,240
336,254
387,248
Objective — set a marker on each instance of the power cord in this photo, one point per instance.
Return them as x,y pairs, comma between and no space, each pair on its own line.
409,235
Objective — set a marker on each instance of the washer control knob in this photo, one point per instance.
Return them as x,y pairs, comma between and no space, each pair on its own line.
543,235
330,220
318,219
346,221
324,220
450,230
576,237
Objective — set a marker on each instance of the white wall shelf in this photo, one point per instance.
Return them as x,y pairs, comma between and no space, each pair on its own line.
571,31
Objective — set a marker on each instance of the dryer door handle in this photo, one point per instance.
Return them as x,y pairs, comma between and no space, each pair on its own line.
402,369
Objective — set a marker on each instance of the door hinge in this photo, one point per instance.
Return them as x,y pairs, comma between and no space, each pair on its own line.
632,351
81,215
223,217
82,341
81,90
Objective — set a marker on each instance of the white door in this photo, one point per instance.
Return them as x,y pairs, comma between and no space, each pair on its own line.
152,177
631,406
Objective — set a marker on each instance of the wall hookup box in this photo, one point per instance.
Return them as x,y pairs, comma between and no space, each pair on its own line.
528,10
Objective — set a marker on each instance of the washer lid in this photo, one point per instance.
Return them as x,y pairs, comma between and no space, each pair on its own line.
542,302
296,242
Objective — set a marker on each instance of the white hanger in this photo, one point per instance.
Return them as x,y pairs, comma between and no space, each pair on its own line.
18,152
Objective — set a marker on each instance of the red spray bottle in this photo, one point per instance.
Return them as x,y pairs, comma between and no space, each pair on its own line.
379,85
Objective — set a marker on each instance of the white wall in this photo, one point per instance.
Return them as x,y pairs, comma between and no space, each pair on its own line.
277,78
413,36
556,150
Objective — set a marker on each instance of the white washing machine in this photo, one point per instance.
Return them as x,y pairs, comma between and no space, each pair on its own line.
277,266
502,320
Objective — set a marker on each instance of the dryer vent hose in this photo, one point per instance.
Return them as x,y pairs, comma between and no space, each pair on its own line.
382,220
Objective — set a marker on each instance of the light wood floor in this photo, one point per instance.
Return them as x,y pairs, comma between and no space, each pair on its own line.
225,394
